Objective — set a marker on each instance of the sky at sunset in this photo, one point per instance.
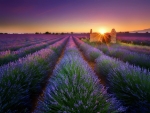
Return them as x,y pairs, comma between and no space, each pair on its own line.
73,15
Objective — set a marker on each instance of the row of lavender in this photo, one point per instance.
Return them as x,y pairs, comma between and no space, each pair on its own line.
125,54
14,42
20,81
24,47
9,56
132,47
130,84
74,88
136,38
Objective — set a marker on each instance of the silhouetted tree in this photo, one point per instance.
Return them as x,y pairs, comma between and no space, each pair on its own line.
47,32
37,33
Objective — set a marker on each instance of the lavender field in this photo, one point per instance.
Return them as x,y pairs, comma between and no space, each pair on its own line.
134,38
68,74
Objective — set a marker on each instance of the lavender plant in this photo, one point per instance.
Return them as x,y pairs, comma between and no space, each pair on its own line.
74,88
26,75
8,56
133,48
132,86
90,52
126,54
133,58
104,65
21,80
15,42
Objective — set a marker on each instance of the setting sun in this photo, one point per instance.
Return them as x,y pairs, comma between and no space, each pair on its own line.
102,31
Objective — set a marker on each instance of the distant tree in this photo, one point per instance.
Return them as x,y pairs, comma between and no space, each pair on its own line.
1,33
71,32
56,34
62,33
47,32
37,33
147,32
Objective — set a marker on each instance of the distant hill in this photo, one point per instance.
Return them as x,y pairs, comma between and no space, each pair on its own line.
142,31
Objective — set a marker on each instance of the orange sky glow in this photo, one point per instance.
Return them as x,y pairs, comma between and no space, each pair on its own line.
74,16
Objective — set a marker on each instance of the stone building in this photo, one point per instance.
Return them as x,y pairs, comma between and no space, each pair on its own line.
113,35
97,37
91,31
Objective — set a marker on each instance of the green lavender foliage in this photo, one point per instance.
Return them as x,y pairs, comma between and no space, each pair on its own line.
130,84
74,88
21,80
